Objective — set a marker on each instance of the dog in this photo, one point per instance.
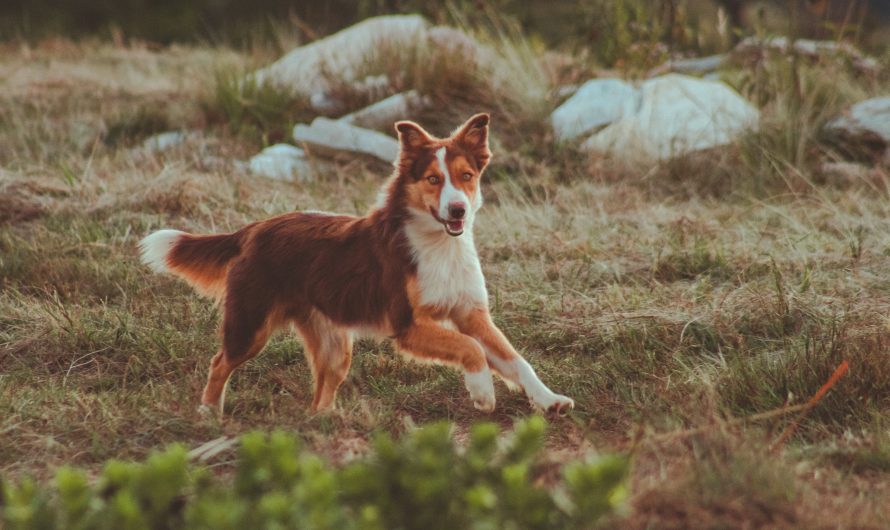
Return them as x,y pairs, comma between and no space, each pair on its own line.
408,270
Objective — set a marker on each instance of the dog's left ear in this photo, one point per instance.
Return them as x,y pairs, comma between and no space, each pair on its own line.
473,135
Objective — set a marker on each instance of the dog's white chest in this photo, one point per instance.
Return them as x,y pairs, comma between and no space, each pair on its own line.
448,271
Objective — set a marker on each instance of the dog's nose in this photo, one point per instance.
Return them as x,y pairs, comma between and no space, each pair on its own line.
457,210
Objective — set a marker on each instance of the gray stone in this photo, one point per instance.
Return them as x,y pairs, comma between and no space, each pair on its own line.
595,104
697,65
164,141
282,162
677,114
383,114
330,136
867,121
341,57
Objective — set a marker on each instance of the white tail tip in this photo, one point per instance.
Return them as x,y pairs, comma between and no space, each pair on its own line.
155,248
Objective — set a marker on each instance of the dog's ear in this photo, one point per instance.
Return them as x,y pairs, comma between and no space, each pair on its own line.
411,135
473,135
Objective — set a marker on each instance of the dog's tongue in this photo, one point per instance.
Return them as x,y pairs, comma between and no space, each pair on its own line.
456,226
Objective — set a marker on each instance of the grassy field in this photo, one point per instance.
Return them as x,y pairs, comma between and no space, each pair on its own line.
671,304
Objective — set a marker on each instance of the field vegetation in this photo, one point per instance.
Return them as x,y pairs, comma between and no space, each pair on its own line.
681,306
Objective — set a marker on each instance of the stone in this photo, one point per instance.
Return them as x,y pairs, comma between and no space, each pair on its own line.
694,65
164,141
595,104
755,46
282,162
331,136
677,114
867,121
383,114
308,70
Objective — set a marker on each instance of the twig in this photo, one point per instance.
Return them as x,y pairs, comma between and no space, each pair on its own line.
838,373
803,408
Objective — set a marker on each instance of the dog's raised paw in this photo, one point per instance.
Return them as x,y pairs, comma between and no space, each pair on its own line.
206,411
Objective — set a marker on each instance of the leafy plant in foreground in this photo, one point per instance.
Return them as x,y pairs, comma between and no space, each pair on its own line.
422,481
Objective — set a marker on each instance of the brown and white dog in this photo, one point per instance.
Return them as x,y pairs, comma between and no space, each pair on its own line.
403,271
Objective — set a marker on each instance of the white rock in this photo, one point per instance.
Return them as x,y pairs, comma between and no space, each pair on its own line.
596,103
383,114
867,120
164,141
309,69
677,114
327,135
282,162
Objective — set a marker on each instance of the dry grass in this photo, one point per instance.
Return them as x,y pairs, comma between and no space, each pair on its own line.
658,301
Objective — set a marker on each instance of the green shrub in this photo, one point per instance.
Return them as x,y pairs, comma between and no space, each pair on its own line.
422,481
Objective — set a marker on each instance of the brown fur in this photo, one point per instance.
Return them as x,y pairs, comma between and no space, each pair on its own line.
329,275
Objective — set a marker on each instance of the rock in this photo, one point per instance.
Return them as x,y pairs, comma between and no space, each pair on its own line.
282,162
693,65
845,172
332,136
867,121
808,48
383,114
677,114
596,103
164,141
371,88
342,57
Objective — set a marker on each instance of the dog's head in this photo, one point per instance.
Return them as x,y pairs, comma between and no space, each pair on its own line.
441,175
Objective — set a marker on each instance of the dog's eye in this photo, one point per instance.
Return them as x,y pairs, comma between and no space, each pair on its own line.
467,176
433,179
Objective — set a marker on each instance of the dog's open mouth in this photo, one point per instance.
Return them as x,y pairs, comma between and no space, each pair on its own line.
454,227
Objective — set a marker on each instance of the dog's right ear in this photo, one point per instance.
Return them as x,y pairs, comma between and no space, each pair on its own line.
411,135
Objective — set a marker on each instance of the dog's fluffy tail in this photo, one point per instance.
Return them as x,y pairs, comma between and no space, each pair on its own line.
202,261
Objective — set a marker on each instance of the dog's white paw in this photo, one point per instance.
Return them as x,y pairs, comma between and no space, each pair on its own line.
554,403
206,411
481,388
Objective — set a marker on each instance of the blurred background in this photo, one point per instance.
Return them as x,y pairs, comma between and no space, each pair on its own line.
682,24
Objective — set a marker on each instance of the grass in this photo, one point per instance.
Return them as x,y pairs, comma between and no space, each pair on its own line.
713,288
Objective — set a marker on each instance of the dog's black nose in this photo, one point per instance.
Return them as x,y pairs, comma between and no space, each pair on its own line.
457,210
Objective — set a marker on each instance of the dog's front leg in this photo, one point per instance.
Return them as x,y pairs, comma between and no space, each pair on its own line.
432,342
504,359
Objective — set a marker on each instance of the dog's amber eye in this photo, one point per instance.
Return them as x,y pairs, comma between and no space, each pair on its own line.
433,179
467,176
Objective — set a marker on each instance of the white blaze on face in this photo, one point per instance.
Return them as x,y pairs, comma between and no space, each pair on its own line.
450,194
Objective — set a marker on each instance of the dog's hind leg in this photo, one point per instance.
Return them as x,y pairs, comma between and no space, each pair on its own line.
329,352
247,327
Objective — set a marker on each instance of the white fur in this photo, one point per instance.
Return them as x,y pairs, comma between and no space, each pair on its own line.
448,269
481,388
450,193
155,247
519,372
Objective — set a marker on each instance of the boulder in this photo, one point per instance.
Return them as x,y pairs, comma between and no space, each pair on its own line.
282,162
676,114
595,104
309,70
866,122
332,136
